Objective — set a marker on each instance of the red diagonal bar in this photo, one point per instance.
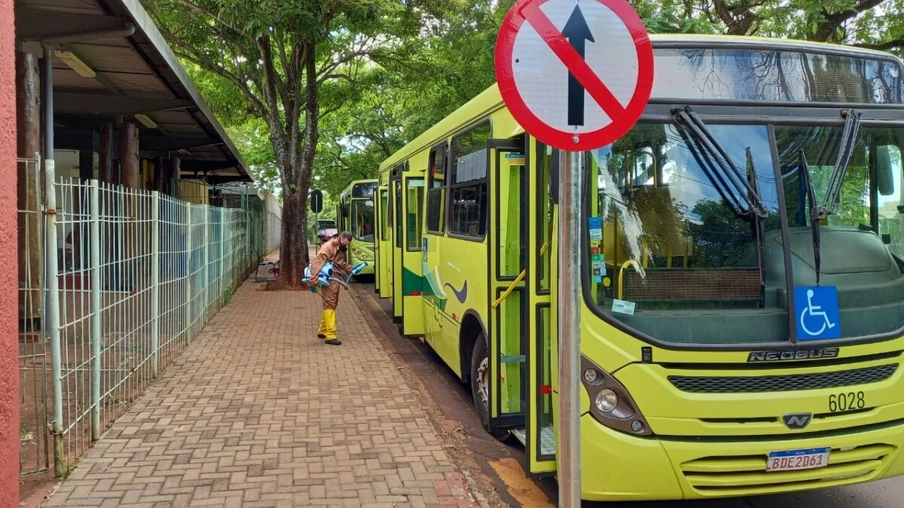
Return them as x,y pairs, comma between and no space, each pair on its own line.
572,60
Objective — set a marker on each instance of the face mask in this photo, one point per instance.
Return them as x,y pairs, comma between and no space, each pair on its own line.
343,248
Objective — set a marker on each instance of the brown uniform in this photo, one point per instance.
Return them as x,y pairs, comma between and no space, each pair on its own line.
330,294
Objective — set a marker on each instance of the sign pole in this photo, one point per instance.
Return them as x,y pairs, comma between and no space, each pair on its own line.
575,83
569,329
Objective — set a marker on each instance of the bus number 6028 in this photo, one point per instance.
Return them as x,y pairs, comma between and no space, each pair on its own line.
846,401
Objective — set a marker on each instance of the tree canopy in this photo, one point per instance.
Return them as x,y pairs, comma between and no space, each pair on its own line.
318,93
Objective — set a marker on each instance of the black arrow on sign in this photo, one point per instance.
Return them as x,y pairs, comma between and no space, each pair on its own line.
578,33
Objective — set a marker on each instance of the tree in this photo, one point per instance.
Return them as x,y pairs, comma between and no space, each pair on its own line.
291,64
876,24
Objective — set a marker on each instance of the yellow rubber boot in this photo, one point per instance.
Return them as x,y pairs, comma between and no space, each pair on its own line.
321,331
329,316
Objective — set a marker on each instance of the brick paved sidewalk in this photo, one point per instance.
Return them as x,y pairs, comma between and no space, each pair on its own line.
259,412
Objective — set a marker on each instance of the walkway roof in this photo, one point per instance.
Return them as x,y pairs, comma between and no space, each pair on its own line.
111,62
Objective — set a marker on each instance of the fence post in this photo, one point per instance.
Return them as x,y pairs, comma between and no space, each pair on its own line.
96,348
155,283
188,261
222,275
206,261
53,317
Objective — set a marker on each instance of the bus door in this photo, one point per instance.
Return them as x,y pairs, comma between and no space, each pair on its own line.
397,230
540,438
383,253
412,274
508,318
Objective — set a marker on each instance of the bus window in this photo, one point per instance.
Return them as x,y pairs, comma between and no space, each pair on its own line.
890,197
363,219
861,236
413,216
436,198
657,245
544,213
384,216
468,183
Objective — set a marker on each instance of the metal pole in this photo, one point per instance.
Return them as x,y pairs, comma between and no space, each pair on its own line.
206,262
96,306
52,276
48,102
155,282
569,325
222,275
188,260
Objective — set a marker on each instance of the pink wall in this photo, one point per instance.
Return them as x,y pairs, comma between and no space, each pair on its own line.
9,342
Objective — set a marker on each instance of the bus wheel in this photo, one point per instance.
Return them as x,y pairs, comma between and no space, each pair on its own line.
480,390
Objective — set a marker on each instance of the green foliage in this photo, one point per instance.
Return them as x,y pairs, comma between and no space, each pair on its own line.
389,69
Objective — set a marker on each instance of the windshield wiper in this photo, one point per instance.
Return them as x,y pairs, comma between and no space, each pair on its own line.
836,182
845,152
815,214
730,183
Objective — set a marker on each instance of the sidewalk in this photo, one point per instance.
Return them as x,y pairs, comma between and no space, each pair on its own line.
259,412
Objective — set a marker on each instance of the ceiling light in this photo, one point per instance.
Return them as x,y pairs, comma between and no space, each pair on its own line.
76,64
146,121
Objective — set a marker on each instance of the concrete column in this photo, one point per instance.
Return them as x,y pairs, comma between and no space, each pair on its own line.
175,175
128,142
86,160
9,344
130,178
106,173
161,174
28,124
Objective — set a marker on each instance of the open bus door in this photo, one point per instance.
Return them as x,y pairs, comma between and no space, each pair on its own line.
383,246
412,275
508,293
540,435
396,231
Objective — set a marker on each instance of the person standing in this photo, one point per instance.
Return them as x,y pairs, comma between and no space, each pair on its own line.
333,251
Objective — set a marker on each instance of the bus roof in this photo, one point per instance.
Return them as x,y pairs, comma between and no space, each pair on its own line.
490,99
348,189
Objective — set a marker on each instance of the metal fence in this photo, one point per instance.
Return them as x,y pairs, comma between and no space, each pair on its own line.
130,277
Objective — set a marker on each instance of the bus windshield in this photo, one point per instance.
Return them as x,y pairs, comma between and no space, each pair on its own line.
677,255
362,219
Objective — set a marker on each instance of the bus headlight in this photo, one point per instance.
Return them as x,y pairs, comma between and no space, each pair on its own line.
606,400
611,404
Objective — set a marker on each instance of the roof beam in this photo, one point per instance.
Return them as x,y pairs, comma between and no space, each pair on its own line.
191,165
39,24
112,105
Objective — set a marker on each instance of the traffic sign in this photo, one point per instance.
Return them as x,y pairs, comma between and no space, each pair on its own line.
316,198
576,75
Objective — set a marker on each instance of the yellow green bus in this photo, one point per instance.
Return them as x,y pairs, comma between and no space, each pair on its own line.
355,213
742,273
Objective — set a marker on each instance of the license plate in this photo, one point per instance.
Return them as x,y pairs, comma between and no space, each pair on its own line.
794,460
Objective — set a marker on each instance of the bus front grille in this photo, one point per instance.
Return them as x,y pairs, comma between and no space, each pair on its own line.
787,383
747,475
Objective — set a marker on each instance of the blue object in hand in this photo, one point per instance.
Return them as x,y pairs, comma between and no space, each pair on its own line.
357,268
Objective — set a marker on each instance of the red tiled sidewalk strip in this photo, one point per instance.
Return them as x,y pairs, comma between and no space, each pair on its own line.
259,412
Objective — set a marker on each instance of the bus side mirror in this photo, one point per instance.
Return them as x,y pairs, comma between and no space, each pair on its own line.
885,169
554,176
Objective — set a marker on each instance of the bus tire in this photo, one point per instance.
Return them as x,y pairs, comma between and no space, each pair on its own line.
481,402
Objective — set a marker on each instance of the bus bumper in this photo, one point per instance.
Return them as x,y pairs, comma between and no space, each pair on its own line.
619,467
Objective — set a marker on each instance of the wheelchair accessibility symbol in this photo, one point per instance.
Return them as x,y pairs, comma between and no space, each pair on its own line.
817,312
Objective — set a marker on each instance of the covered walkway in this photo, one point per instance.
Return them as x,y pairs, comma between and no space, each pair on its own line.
259,412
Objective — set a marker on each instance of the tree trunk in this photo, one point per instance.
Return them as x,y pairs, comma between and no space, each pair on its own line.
293,252
29,187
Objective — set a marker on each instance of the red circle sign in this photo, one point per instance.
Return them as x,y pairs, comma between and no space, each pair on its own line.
559,87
